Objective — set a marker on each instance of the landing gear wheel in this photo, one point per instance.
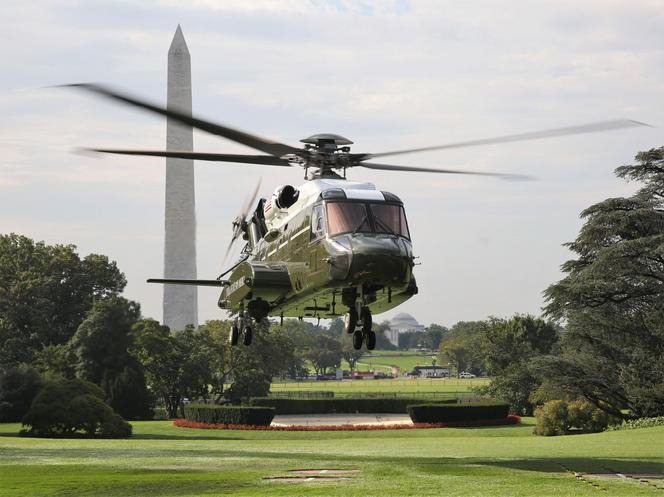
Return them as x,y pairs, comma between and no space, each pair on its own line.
234,335
371,340
350,321
248,335
358,338
367,322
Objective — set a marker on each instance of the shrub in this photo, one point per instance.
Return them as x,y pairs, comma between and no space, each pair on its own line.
552,418
341,405
587,417
441,413
69,407
633,424
160,414
114,426
18,386
557,417
230,415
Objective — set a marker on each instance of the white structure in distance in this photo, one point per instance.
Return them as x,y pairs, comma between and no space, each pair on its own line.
402,323
180,301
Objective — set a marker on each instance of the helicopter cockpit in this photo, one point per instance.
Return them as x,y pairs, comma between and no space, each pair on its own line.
353,217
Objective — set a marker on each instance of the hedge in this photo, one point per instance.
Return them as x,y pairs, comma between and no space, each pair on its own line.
340,405
232,415
437,413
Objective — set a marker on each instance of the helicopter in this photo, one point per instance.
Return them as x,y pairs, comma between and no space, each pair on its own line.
326,248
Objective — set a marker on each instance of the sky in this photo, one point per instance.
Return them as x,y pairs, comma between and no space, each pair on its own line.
386,74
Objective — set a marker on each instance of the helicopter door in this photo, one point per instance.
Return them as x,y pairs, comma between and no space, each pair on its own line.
317,233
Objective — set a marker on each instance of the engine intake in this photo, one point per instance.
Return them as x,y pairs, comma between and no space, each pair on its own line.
285,196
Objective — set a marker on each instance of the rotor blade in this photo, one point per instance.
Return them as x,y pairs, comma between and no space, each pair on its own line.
264,160
389,167
250,200
262,144
535,135
182,281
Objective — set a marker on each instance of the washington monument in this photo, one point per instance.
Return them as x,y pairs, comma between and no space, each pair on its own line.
180,301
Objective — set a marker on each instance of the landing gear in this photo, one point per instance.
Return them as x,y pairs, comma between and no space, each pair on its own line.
247,333
234,335
350,321
358,338
370,339
364,334
366,320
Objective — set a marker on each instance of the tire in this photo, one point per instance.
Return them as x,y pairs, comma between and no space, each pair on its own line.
358,338
370,340
350,321
367,322
247,335
234,335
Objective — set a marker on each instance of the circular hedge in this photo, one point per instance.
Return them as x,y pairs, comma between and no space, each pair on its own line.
440,413
230,415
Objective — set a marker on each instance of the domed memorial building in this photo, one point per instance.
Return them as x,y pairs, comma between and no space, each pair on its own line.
402,323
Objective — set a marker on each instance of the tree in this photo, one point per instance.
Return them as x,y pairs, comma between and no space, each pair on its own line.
336,327
18,386
100,347
612,299
45,293
460,346
64,407
157,351
433,335
350,355
458,353
324,353
510,347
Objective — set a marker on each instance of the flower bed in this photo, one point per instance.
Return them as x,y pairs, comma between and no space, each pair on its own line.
509,420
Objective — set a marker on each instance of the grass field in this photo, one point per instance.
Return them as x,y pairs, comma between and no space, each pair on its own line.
383,360
163,460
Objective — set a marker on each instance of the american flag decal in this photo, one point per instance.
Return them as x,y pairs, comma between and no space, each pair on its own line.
268,206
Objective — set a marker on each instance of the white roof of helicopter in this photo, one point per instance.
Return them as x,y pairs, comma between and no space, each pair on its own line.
311,190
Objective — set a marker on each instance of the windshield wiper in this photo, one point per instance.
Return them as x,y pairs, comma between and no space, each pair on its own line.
364,220
384,225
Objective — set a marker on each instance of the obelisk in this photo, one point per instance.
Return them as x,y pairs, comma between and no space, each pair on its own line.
180,301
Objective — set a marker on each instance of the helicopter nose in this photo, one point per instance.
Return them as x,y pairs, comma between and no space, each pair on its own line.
381,260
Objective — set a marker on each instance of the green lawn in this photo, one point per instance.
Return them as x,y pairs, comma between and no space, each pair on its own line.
383,360
163,460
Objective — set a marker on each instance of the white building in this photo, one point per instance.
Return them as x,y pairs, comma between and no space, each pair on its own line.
402,323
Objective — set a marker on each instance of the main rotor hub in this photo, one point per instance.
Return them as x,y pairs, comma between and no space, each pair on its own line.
326,139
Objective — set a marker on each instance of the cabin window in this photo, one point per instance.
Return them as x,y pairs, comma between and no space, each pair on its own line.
390,218
317,223
346,217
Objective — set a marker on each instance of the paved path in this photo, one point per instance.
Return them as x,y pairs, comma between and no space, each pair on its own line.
339,419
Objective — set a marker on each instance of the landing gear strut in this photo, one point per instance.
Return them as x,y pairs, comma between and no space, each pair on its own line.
242,326
365,334
234,335
350,321
248,334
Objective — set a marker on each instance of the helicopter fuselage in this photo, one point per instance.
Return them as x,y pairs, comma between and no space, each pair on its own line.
339,245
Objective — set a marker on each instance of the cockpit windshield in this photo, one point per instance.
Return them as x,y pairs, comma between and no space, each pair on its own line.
390,218
356,217
343,217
